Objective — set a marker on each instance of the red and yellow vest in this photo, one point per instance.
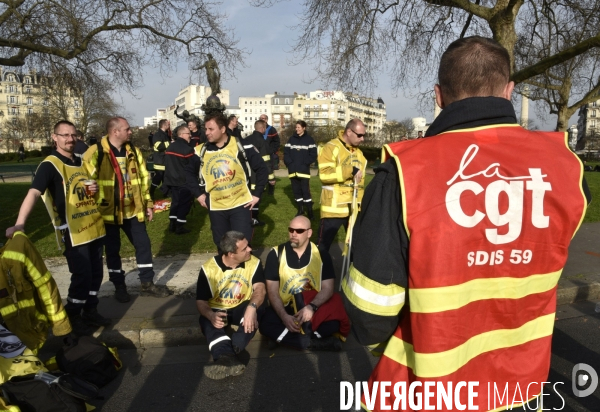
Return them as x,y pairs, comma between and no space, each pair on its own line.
490,213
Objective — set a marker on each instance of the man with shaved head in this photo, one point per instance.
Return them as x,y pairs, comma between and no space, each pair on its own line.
124,202
304,311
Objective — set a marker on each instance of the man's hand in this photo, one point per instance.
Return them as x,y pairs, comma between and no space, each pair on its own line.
16,228
358,176
250,319
150,214
93,188
202,200
251,204
305,314
218,319
291,323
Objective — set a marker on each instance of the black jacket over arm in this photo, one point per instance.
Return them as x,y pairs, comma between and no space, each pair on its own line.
181,167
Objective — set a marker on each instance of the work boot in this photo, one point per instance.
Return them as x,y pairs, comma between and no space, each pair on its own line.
172,225
80,328
271,189
226,365
256,222
150,289
121,293
309,211
92,317
300,209
180,229
331,344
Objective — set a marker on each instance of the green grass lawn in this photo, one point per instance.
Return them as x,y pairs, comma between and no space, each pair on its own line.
28,161
276,212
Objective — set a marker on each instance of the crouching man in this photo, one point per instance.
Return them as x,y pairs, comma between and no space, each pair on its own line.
230,290
304,311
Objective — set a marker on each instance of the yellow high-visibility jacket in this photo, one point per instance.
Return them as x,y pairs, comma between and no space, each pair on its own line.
29,298
110,181
336,162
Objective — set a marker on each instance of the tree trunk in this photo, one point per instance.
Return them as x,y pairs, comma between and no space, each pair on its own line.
503,28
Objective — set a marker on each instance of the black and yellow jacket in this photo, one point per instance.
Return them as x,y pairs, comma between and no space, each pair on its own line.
29,298
160,142
110,181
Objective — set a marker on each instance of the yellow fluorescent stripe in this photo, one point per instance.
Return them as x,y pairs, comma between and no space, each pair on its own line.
25,303
41,316
581,174
432,365
372,297
59,316
105,182
266,158
42,280
402,187
431,300
329,164
7,310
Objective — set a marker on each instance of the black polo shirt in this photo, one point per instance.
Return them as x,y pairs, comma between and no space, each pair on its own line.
272,265
48,178
203,288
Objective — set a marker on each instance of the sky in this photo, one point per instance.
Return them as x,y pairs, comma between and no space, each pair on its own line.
267,33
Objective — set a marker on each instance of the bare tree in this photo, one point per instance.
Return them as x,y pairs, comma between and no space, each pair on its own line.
350,42
115,37
569,85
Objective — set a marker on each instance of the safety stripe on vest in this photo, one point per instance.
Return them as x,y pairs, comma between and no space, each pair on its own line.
39,282
432,365
372,297
432,300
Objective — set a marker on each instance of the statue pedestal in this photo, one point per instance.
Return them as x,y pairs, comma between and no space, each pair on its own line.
213,105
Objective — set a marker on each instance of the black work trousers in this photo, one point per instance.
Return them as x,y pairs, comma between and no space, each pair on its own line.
137,235
85,265
272,326
328,230
219,343
301,190
181,202
222,221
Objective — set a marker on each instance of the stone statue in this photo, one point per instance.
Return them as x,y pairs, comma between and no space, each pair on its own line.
212,74
186,116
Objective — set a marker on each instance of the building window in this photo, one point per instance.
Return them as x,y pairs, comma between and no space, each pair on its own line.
76,103
594,104
77,113
45,102
14,110
11,89
299,105
592,123
12,99
245,110
287,101
11,78
29,100
30,110
593,113
276,101
27,80
28,90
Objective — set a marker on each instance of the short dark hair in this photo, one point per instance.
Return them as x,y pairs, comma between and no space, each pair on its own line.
192,121
351,125
57,125
161,122
473,66
228,243
113,122
301,123
79,133
181,128
219,118
260,122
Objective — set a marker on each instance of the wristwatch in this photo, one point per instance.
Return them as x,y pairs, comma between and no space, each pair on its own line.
253,305
315,307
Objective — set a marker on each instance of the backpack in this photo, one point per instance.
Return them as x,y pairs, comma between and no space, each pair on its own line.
43,392
89,359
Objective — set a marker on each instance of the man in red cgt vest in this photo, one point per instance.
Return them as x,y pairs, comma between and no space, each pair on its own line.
488,209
